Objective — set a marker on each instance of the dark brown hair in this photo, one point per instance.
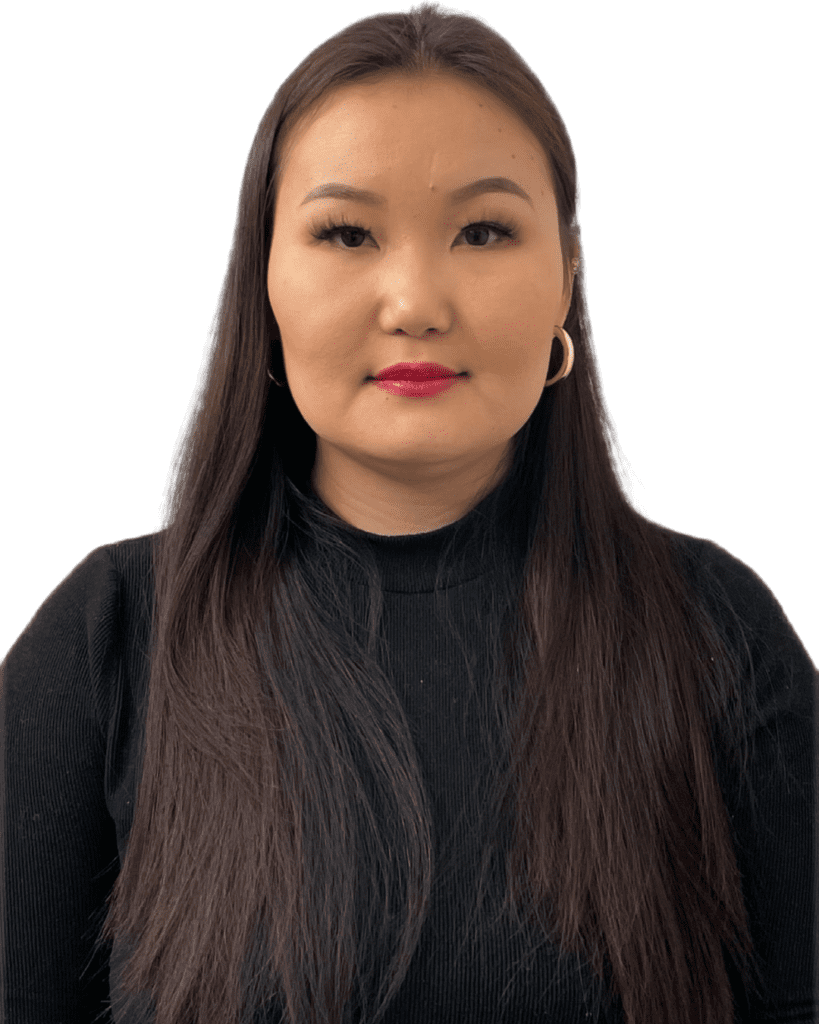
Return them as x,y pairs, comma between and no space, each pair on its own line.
251,834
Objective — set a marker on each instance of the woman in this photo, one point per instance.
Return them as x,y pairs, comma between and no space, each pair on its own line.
408,715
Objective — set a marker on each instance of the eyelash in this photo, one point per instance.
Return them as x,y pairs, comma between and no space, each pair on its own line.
326,230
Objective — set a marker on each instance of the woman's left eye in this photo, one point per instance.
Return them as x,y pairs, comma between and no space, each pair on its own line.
328,231
506,231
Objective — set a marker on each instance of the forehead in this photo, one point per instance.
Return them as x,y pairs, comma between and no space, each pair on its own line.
413,129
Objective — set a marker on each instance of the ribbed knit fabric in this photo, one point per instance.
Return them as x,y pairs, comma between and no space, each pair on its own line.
74,692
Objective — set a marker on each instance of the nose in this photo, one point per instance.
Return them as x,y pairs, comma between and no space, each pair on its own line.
415,304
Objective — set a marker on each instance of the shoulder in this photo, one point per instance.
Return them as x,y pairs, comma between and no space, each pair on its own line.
717,574
706,556
128,559
748,613
98,616
108,575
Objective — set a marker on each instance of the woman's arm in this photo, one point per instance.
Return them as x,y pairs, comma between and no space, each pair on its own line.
59,844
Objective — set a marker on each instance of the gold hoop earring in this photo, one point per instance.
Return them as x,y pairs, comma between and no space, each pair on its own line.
568,357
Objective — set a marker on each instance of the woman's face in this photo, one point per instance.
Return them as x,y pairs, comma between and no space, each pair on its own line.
408,283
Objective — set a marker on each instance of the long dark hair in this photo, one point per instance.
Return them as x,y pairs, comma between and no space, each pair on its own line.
251,860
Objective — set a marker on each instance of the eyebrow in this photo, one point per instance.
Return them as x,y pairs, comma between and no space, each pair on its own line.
335,190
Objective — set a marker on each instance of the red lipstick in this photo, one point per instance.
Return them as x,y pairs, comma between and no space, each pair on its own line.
417,380
415,371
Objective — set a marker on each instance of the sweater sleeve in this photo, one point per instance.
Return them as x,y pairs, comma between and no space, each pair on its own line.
59,851
774,829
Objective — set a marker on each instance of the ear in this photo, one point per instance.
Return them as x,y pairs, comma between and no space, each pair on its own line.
568,291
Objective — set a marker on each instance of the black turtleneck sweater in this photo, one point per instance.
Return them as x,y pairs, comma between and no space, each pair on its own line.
71,732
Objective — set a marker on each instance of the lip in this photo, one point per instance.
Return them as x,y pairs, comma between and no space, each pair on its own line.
419,388
416,371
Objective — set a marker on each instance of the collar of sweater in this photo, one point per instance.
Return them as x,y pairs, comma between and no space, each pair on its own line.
409,563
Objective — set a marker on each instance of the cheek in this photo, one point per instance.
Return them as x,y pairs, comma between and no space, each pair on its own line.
324,379
318,338
516,340
318,405
294,291
520,304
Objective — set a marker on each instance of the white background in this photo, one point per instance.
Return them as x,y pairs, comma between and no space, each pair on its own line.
125,132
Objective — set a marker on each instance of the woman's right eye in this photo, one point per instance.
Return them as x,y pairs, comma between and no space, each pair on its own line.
328,231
